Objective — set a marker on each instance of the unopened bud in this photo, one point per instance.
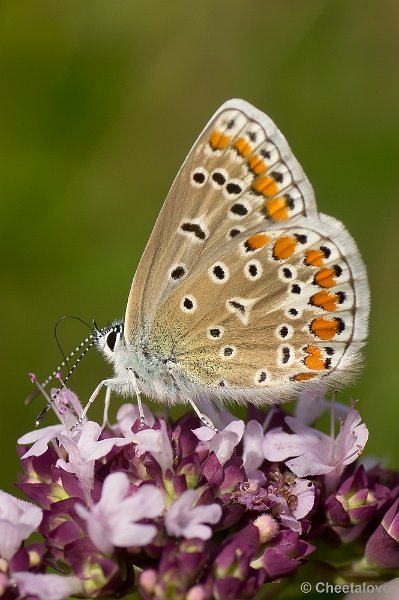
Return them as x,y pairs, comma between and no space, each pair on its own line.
268,528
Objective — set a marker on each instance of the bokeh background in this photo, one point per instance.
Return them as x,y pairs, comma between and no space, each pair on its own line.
100,102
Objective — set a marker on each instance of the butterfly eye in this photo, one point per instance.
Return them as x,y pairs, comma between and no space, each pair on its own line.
111,339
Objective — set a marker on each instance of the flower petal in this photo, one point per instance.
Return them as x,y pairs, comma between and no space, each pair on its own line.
224,442
304,490
252,441
40,439
157,443
147,503
204,434
185,519
48,586
115,489
133,534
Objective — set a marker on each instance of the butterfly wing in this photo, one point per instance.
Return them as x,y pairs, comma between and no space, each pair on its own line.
242,282
240,161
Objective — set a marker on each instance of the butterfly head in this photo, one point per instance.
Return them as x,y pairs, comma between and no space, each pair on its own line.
110,340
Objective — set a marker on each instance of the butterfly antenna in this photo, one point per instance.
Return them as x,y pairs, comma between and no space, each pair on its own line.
90,341
65,361
86,345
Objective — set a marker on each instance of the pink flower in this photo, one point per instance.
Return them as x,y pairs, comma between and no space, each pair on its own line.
312,403
304,491
18,519
84,449
67,407
39,438
187,520
113,521
46,587
127,415
316,453
157,443
252,453
4,583
222,443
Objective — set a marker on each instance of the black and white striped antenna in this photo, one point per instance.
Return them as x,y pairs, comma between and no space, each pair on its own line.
80,350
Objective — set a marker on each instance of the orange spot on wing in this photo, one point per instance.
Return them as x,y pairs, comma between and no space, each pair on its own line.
314,258
314,359
326,329
243,147
277,209
265,186
325,300
256,164
218,140
257,241
325,278
303,376
284,247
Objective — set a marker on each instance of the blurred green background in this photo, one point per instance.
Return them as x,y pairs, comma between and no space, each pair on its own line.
100,102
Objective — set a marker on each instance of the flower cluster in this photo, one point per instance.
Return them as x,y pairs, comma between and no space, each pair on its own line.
174,510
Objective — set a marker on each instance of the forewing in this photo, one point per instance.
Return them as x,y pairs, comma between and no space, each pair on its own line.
239,174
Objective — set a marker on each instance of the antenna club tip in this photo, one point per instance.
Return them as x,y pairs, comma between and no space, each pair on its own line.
57,375
32,377
37,423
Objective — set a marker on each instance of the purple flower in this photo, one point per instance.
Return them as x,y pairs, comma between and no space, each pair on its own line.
222,443
157,443
185,518
356,501
39,438
67,408
200,514
382,548
287,499
45,483
18,519
99,574
4,583
234,573
284,554
267,527
127,415
61,527
84,449
312,403
316,453
113,521
252,451
46,587
178,569
299,502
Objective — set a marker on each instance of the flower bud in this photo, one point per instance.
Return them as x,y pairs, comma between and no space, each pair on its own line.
382,548
267,527
148,580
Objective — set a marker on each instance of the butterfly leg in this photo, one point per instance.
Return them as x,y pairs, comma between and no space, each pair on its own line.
107,401
332,415
206,420
138,397
106,382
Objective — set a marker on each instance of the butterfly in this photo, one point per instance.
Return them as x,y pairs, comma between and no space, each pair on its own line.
244,292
